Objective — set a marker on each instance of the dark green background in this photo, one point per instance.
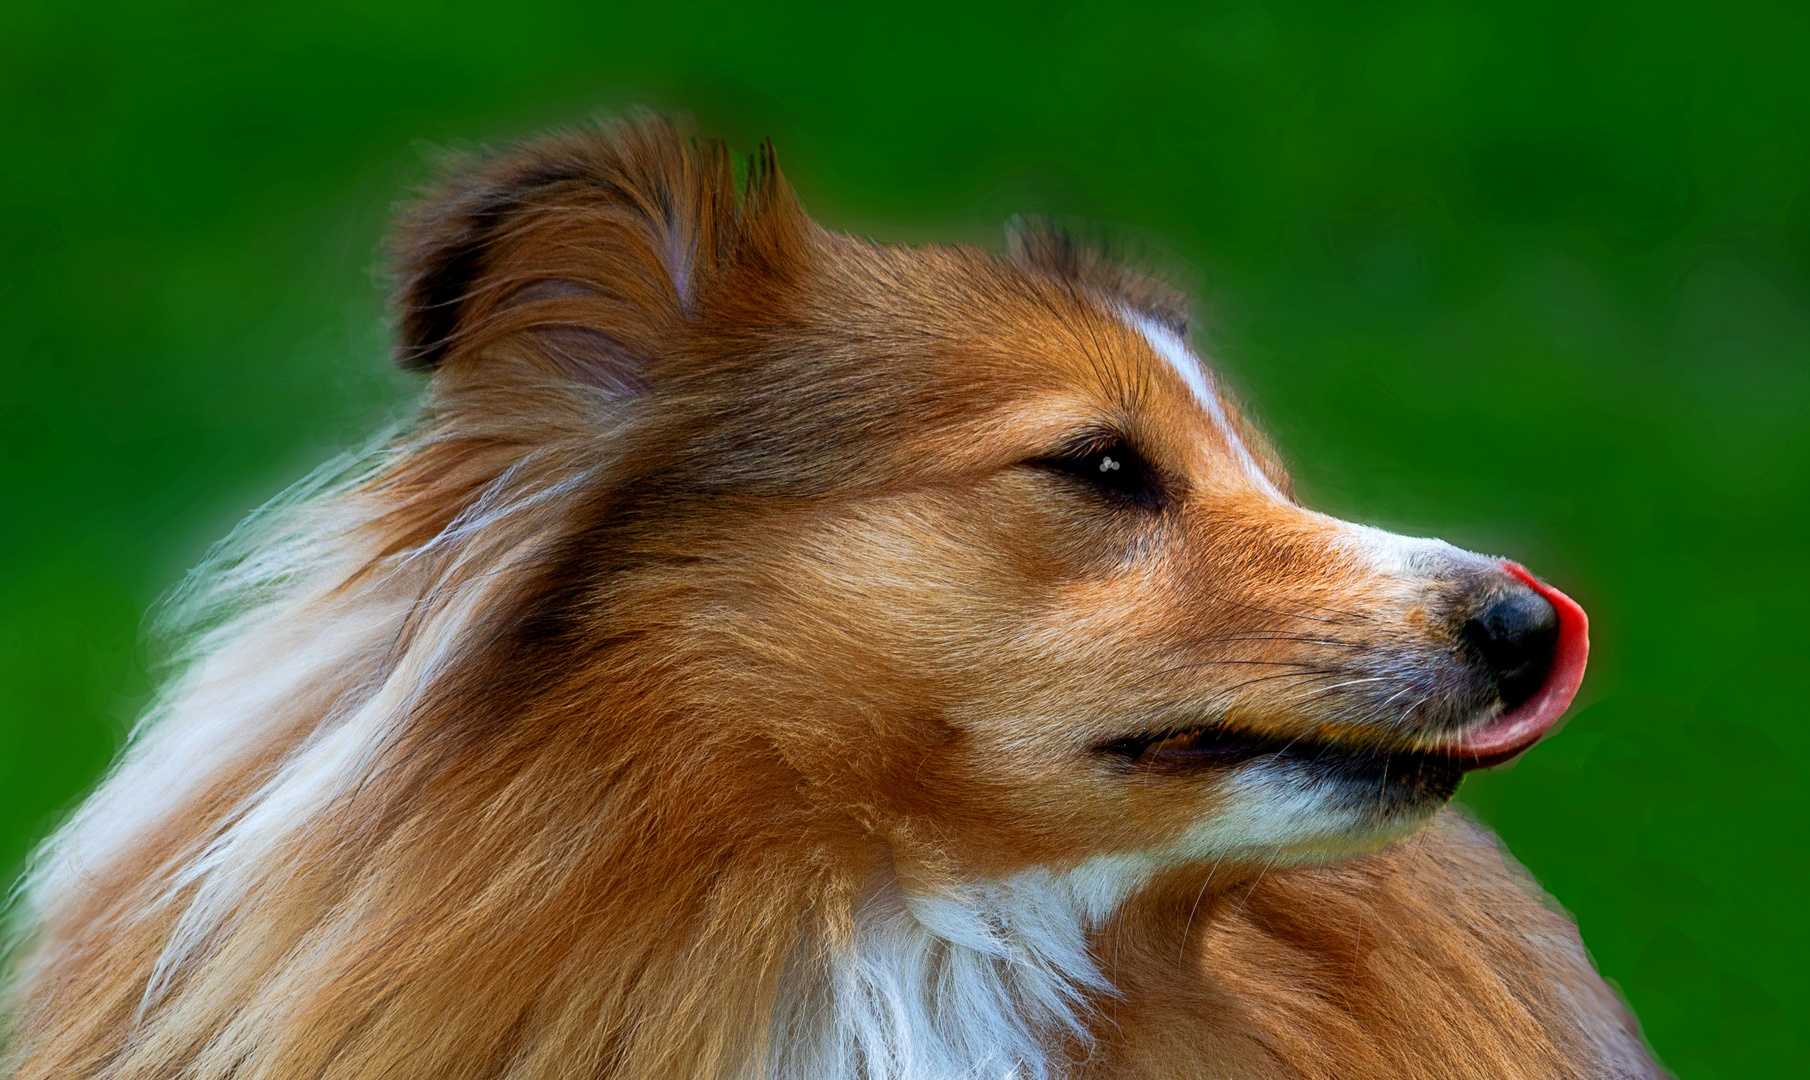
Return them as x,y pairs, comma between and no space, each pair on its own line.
1535,279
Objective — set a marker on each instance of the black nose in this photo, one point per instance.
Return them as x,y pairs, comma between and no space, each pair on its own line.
1513,631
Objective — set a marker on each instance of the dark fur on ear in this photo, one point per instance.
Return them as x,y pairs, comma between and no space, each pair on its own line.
1039,244
592,244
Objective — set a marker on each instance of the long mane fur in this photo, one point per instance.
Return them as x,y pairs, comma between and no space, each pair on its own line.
366,816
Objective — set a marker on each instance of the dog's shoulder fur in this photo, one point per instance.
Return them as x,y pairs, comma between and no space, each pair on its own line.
1434,959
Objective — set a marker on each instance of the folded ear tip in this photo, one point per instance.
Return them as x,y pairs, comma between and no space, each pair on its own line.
613,200
627,223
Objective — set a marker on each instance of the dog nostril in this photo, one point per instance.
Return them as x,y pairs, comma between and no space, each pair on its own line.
1515,634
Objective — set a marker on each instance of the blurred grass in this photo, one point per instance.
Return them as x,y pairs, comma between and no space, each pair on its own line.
1535,278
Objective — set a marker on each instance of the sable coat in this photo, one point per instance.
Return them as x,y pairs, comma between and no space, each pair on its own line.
777,654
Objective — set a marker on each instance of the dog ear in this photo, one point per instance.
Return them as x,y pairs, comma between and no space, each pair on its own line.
591,248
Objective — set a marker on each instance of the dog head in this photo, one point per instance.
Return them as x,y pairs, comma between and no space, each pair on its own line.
971,549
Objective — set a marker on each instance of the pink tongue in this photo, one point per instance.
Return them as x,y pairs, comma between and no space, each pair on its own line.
1522,726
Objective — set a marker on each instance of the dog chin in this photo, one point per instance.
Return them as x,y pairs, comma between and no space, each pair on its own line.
1295,811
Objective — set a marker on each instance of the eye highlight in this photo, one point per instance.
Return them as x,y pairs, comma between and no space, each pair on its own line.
1111,467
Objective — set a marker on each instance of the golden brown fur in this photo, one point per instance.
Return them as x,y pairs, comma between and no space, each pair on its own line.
1431,959
721,589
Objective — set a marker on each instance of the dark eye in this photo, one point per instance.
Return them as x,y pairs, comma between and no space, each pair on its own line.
1112,467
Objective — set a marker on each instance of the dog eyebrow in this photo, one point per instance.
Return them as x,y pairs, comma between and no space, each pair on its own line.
1168,345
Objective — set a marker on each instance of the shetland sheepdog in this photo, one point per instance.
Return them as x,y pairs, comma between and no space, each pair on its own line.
776,654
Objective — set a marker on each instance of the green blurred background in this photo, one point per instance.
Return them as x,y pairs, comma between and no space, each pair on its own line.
1535,279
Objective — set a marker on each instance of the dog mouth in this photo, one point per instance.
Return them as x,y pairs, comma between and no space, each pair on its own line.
1432,769
1400,774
